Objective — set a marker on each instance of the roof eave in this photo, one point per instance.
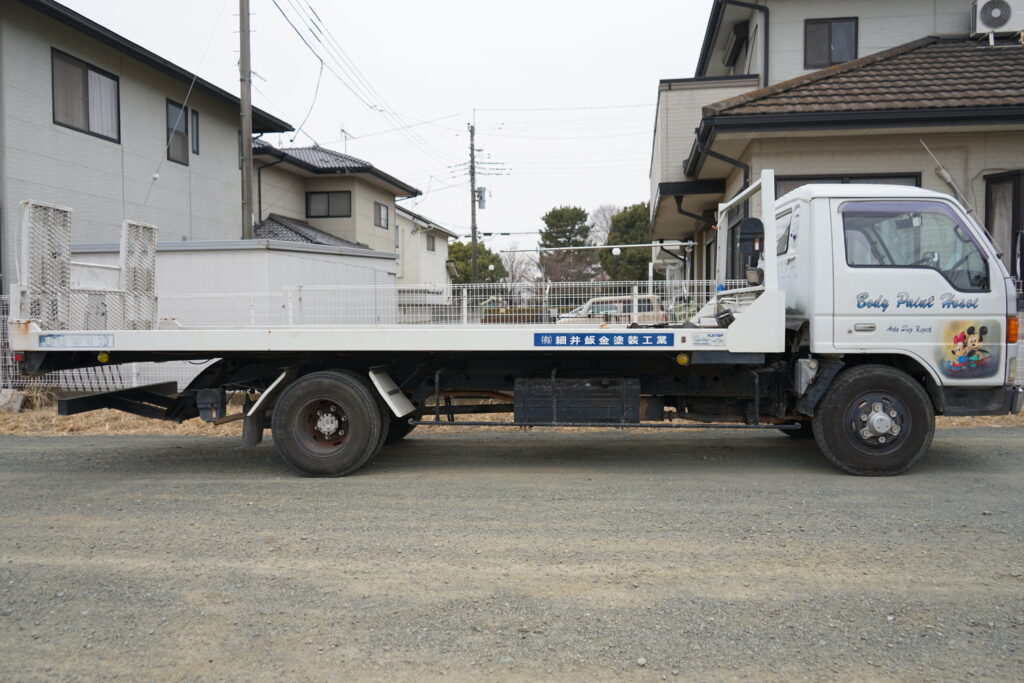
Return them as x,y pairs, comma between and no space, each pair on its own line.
899,118
714,21
870,119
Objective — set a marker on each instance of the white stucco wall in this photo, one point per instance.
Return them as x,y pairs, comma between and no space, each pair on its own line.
882,24
417,265
360,226
101,180
678,114
251,266
280,191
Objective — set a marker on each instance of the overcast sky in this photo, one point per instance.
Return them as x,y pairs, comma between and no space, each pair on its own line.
563,92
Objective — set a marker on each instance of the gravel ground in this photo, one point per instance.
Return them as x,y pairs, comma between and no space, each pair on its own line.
519,555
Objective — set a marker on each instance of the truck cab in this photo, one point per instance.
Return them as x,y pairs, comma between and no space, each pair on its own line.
905,274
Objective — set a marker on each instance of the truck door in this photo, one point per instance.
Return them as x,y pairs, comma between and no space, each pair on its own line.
909,276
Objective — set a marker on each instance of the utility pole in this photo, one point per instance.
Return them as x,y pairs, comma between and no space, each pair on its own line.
472,196
245,79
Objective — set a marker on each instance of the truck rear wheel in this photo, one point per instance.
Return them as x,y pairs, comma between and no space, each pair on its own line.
327,424
874,421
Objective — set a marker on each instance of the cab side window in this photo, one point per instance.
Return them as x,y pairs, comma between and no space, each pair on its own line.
929,235
782,227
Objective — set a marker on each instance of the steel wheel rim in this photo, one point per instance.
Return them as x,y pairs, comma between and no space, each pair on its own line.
877,423
322,426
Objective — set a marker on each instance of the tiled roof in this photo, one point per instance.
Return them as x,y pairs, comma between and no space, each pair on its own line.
932,73
278,227
328,159
318,159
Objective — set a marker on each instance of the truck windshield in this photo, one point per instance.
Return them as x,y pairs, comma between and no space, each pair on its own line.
908,234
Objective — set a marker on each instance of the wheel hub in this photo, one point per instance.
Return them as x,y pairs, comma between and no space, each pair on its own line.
327,424
877,420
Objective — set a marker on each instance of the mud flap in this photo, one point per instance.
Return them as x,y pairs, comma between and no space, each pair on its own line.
395,399
256,419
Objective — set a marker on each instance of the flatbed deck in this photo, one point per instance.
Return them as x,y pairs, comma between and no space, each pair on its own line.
757,329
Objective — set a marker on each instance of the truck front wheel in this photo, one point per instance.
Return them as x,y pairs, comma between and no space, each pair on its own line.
328,424
874,420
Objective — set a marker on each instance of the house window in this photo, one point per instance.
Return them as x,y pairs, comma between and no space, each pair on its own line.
829,41
177,132
710,258
195,132
328,204
85,98
431,243
380,215
786,184
1004,216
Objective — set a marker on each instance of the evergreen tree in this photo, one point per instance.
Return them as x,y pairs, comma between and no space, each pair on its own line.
629,226
462,254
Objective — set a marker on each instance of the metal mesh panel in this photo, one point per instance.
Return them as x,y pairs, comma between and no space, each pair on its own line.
538,303
98,309
46,257
138,274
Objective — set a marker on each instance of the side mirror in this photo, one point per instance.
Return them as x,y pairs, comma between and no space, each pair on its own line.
751,236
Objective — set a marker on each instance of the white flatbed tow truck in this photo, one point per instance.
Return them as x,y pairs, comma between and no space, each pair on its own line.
867,310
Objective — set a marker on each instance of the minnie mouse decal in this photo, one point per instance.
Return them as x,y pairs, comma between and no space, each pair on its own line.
970,357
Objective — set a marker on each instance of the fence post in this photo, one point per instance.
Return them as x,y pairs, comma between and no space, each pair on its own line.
465,306
635,315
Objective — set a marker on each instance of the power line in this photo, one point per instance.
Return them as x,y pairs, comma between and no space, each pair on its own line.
337,52
188,94
316,91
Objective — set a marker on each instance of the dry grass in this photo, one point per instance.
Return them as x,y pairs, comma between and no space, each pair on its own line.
44,421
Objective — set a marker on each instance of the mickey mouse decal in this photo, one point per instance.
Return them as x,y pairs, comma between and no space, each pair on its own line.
970,357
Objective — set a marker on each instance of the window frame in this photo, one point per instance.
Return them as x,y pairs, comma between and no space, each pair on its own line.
947,211
829,21
377,206
431,242
1016,180
329,214
789,214
88,67
167,140
194,133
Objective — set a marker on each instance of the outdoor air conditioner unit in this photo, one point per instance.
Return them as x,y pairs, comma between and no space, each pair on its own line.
997,16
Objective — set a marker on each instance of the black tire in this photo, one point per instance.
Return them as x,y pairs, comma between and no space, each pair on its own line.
804,432
345,403
398,429
874,421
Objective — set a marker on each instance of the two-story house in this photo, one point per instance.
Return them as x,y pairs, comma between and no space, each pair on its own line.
836,91
319,195
95,122
423,249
